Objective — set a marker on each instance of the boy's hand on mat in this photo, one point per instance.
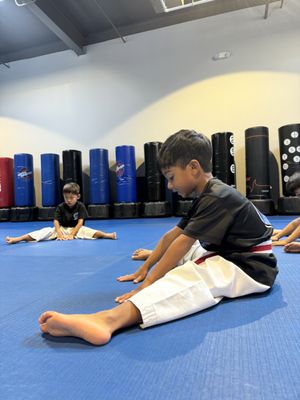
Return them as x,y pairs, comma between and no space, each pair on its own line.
279,243
137,277
126,296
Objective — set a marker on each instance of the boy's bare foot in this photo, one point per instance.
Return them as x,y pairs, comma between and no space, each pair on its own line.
112,235
293,247
11,240
94,328
141,254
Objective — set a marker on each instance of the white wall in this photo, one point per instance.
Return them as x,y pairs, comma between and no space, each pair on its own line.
155,84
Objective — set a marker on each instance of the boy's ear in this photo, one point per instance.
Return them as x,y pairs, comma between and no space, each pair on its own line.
194,164
78,196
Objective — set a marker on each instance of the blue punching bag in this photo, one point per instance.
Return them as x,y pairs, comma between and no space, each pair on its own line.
126,174
99,176
24,181
50,177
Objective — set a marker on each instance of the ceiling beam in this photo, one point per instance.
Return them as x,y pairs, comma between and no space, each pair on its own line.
50,16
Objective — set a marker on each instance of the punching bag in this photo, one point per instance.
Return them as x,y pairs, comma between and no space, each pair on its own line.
50,177
23,180
99,176
257,163
126,206
289,142
6,182
223,157
258,169
155,206
126,174
72,167
154,178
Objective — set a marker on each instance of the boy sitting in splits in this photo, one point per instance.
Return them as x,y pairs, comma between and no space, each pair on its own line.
292,230
238,258
69,219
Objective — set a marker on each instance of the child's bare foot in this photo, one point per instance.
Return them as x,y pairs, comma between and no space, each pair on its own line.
112,235
293,247
141,254
11,240
94,328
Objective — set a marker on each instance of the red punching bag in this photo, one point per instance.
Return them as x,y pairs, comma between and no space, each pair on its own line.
6,182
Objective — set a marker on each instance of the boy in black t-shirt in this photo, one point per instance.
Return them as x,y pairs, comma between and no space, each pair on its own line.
238,258
69,219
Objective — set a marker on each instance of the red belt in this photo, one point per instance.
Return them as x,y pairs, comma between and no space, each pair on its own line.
260,248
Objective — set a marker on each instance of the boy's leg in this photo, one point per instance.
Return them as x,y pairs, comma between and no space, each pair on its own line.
89,233
94,328
35,236
190,288
104,235
23,238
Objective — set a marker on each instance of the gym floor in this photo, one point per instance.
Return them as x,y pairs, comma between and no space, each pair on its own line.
247,348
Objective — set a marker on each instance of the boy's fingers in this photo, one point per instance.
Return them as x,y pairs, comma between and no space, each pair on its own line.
125,278
138,279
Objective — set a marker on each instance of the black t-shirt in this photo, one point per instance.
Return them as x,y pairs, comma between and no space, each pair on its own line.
227,223
68,217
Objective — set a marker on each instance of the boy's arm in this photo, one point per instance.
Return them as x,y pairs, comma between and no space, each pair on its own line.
177,249
291,238
76,228
160,249
57,229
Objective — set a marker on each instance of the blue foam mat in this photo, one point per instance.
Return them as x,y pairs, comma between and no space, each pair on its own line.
246,348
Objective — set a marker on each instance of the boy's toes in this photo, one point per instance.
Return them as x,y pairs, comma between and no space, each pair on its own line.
45,316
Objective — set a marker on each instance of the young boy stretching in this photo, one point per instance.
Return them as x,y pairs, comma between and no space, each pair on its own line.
69,219
238,259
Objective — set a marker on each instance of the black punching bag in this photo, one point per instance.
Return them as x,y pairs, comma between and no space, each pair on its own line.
257,168
223,157
72,167
289,144
154,178
155,206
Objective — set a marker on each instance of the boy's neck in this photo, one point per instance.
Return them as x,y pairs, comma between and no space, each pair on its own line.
205,177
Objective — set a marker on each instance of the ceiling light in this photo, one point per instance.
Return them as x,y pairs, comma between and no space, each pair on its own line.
222,55
174,5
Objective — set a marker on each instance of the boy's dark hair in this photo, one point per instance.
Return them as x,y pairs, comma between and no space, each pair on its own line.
72,188
293,183
182,147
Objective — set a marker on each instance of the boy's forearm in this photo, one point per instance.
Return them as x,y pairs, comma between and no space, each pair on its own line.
57,228
176,251
293,236
161,247
76,228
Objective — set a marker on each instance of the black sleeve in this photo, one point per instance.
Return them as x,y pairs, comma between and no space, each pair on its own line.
58,214
209,222
82,212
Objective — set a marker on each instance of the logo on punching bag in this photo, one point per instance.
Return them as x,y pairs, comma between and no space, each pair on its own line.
24,174
120,169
